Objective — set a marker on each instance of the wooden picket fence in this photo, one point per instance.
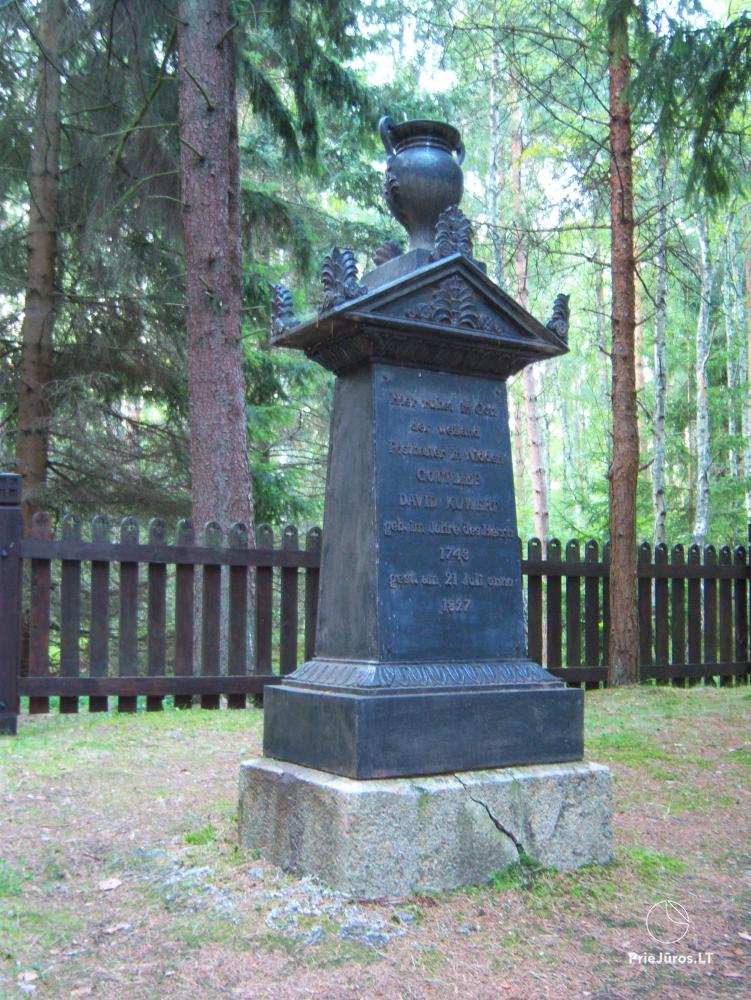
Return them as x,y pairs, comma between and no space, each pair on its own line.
96,618
693,612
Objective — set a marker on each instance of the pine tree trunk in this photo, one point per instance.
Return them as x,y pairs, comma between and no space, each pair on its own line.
659,502
530,380
33,435
211,223
624,648
703,455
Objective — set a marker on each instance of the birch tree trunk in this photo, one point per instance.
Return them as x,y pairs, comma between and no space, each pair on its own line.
747,407
495,161
731,339
659,502
530,381
33,435
221,488
703,455
689,436
624,648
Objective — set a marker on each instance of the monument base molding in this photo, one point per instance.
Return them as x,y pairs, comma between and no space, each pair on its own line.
387,839
433,732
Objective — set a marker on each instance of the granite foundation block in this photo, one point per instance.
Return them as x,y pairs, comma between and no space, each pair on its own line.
390,838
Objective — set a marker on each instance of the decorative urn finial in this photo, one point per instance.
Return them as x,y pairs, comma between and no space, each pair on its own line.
423,175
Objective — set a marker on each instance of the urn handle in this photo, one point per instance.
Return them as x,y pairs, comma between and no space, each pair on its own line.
384,127
460,153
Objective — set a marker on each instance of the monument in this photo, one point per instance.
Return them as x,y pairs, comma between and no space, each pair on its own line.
420,665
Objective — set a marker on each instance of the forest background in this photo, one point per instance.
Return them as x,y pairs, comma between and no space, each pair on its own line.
92,89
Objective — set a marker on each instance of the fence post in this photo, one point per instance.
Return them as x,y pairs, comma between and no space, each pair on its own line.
11,535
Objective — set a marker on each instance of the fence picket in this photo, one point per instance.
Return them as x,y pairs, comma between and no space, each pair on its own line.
264,595
157,613
39,623
591,608
573,610
11,576
99,628
70,612
211,613
289,606
694,612
662,621
184,613
127,665
534,603
678,610
644,602
237,652
710,608
553,618
312,544
726,614
606,604
741,612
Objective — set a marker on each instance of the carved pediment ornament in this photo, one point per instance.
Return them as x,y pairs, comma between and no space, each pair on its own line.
281,310
389,250
558,322
453,234
339,279
453,303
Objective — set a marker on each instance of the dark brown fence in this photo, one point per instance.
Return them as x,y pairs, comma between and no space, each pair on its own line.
100,616
693,612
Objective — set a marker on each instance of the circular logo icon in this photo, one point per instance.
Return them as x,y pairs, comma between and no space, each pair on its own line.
667,922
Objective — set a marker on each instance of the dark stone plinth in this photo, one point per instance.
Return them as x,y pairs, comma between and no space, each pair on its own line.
420,664
404,734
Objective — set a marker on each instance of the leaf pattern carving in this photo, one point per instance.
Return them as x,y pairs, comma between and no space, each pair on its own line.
281,310
453,303
453,233
339,279
558,322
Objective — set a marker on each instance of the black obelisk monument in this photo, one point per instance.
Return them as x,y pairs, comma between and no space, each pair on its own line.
420,664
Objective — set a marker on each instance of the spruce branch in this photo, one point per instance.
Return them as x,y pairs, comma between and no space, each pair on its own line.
151,94
192,148
141,180
209,105
225,33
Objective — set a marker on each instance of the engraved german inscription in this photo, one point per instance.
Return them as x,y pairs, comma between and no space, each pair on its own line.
450,563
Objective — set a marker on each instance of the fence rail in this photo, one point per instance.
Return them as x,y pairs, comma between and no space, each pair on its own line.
124,619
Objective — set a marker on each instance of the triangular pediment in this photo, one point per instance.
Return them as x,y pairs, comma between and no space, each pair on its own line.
454,294
449,307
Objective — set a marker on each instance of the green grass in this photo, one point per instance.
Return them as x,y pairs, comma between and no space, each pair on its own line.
205,835
29,930
11,880
652,867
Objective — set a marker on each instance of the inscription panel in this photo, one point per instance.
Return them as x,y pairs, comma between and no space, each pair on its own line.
449,565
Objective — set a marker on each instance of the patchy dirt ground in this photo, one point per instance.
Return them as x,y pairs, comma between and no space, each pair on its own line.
120,876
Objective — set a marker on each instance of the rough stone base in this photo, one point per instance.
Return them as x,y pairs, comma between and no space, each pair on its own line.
393,837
